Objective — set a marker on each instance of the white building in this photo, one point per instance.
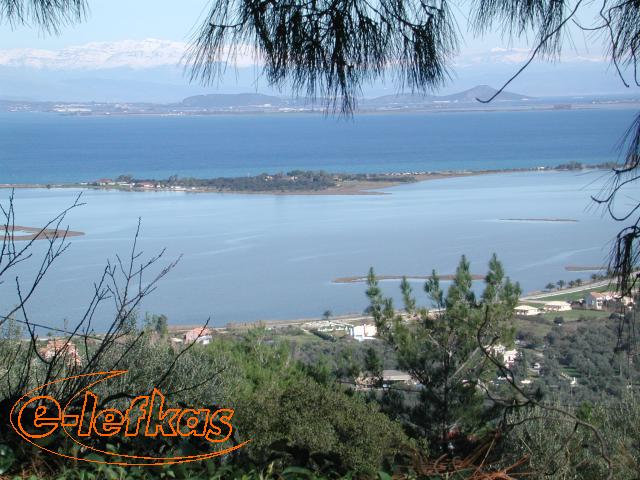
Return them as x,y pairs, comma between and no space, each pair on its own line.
62,349
198,335
204,339
397,376
557,306
389,377
509,357
596,300
326,326
526,311
366,331
626,301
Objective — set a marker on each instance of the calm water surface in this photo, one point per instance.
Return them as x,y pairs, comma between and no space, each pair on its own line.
250,257
47,148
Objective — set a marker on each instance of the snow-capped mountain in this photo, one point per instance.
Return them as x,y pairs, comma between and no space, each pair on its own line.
513,55
151,52
137,54
153,70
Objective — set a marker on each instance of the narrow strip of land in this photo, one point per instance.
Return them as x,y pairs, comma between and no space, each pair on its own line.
298,182
588,286
35,233
585,268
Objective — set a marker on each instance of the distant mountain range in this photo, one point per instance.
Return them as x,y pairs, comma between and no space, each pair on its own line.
467,96
231,100
155,70
218,101
98,55
209,104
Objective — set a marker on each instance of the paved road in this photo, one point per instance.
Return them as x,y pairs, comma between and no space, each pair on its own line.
581,288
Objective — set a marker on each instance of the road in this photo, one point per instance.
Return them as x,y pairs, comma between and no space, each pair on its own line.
581,288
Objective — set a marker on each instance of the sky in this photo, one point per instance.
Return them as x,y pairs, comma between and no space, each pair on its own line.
33,63
112,20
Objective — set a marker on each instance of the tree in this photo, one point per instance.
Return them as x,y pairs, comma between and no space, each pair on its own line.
373,365
347,367
327,314
125,178
561,284
333,48
550,286
158,324
443,349
50,15
292,419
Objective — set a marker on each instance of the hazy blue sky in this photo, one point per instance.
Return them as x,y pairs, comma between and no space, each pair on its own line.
111,20
89,71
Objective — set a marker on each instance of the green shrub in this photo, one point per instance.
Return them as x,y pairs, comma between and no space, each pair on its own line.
308,424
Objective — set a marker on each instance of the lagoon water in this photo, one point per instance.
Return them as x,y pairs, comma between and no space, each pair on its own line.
250,257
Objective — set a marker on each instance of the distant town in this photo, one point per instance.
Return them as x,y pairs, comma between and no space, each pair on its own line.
254,103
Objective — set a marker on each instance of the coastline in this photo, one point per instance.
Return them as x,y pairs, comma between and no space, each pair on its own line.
140,110
349,187
356,318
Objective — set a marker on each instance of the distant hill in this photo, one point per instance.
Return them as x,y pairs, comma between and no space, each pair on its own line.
483,92
216,103
246,101
220,100
467,96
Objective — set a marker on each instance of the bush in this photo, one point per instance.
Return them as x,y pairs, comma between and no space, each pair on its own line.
559,449
309,424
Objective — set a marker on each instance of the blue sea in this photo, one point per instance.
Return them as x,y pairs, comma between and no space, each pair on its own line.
48,148
253,257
